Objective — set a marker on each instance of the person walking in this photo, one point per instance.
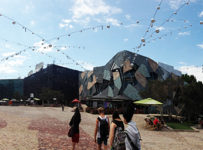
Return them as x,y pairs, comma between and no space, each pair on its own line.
74,123
132,140
62,106
102,129
117,134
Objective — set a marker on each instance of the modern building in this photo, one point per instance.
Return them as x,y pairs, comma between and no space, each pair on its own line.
55,78
10,88
120,80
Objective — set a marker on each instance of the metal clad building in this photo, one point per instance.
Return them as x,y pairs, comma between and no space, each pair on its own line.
125,75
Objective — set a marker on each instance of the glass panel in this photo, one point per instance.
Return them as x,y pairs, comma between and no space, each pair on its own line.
110,92
143,70
118,83
107,75
132,92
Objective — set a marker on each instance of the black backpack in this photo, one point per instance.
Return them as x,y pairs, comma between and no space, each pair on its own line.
104,127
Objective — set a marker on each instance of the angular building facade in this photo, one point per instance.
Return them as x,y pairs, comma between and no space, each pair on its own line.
122,78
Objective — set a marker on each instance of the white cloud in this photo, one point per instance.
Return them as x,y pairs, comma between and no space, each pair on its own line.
70,26
113,21
193,70
66,23
175,4
125,40
184,33
83,11
200,45
128,17
7,46
182,63
32,23
83,8
6,69
7,54
28,7
9,66
63,48
19,60
43,47
201,14
132,25
159,28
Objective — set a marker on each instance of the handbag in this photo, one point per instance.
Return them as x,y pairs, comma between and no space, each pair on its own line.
70,132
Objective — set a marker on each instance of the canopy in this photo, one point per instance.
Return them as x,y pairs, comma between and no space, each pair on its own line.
75,101
36,99
148,101
5,99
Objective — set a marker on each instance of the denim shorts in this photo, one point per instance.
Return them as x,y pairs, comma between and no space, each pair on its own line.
100,140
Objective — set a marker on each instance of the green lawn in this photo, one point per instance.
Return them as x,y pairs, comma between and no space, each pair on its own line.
185,126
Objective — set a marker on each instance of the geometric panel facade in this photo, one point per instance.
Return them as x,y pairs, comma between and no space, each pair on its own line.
125,75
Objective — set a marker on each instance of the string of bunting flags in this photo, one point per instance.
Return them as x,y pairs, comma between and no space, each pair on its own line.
166,34
26,29
13,42
152,21
79,31
169,33
35,48
143,39
169,19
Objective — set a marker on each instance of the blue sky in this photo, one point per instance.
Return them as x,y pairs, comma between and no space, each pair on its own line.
181,47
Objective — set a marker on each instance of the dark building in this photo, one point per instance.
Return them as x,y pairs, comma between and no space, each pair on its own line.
121,79
10,88
55,78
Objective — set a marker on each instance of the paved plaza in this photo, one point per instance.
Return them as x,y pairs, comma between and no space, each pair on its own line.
45,128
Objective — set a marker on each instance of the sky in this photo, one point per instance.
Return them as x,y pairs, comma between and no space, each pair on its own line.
82,34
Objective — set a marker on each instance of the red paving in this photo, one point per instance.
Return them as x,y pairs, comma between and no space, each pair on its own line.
3,123
52,134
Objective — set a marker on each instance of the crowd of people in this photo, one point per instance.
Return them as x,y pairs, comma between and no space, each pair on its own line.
119,137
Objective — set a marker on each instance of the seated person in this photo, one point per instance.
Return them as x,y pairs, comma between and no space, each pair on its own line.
148,121
156,123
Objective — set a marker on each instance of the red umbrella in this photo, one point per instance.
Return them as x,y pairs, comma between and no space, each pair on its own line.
75,101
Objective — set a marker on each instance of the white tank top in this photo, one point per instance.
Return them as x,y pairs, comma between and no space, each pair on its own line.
98,127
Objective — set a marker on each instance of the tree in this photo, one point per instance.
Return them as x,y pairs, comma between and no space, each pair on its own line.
161,90
185,92
17,95
47,96
191,97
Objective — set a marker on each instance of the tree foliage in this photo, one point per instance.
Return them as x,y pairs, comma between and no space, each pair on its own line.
185,93
47,96
191,95
161,90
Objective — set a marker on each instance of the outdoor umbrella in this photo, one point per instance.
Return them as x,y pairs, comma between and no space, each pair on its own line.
36,99
148,101
5,99
75,101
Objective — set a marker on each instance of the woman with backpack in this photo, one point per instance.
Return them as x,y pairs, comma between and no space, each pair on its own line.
101,133
117,134
74,123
